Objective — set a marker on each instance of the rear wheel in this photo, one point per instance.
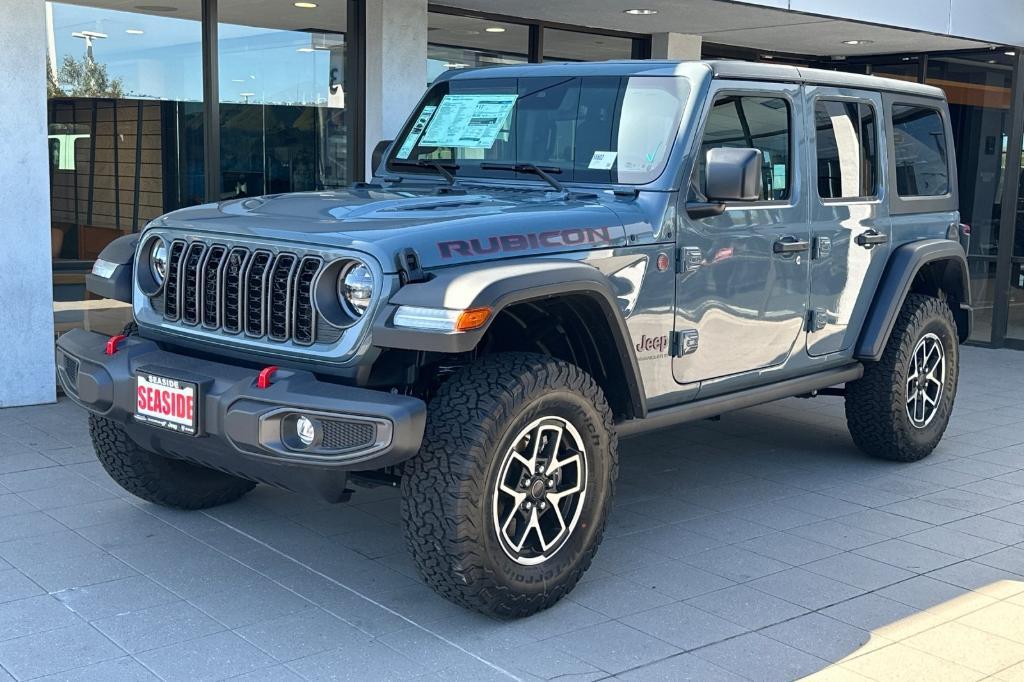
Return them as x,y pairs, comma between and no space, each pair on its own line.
505,505
157,479
900,408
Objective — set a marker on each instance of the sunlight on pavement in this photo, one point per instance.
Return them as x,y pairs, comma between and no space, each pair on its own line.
979,635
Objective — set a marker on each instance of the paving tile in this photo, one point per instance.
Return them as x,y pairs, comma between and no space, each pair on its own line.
213,657
883,523
1005,619
683,667
66,495
789,548
1008,558
101,600
78,571
99,512
810,590
23,461
735,563
925,511
14,585
726,527
823,506
761,658
124,669
677,580
432,653
748,607
616,597
613,647
818,635
357,661
907,556
968,647
11,505
54,651
157,626
684,626
39,478
27,525
945,539
964,500
871,612
900,662
249,601
33,615
29,551
302,634
675,541
776,515
923,592
838,534
979,577
996,530
858,571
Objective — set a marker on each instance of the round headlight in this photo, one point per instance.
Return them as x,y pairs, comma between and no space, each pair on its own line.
355,288
158,260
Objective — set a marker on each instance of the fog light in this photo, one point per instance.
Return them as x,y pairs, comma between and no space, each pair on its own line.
305,429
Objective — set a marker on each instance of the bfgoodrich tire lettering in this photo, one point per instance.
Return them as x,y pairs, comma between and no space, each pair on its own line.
881,406
449,488
157,479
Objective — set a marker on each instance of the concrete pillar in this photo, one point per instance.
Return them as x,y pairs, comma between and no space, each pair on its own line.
675,46
26,285
396,66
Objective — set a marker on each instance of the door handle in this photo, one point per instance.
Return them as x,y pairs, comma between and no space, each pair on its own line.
790,245
870,238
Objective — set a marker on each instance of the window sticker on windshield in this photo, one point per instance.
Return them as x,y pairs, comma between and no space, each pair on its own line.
468,121
417,130
602,160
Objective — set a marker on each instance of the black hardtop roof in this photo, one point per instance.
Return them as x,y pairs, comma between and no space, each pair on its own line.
720,68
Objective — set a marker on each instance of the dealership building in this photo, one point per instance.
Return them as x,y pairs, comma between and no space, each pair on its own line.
116,111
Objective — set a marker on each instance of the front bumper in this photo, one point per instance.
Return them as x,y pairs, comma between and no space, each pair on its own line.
239,427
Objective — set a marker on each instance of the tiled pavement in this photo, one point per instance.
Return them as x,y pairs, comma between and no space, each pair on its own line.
761,546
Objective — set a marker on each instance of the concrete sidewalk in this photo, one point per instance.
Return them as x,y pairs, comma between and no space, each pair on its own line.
761,546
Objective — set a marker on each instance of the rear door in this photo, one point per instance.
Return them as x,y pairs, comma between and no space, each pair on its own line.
742,287
850,227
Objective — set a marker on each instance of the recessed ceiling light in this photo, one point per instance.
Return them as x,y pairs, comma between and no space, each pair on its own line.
247,94
857,41
306,5
305,49
495,29
767,56
991,61
237,80
156,8
134,31
906,59
1010,53
455,65
640,11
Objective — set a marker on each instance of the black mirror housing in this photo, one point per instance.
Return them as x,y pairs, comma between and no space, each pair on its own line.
111,275
378,153
734,174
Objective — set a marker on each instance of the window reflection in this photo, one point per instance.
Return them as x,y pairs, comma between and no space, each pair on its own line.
460,42
577,46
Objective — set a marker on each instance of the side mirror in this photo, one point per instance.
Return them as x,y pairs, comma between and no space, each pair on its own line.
111,275
378,154
733,174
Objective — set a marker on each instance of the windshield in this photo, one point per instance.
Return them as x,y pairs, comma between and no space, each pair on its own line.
600,129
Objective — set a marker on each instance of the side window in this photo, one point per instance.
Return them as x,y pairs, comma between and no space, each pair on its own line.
759,122
919,142
846,149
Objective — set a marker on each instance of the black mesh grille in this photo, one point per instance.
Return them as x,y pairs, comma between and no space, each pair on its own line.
279,307
212,286
232,304
345,435
233,289
190,276
171,286
70,366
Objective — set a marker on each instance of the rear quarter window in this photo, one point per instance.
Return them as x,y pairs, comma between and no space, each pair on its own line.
920,151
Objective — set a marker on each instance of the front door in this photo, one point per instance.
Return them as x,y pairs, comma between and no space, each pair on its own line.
742,288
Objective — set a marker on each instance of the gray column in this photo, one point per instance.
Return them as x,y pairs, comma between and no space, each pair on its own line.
396,66
675,46
26,284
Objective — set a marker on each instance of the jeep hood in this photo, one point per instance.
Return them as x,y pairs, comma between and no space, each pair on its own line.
444,228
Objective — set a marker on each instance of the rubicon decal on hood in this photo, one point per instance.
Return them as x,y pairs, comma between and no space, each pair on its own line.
522,242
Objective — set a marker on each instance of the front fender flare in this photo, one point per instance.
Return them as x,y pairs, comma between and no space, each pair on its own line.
498,286
904,264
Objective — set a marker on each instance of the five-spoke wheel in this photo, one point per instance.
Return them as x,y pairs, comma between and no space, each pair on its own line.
925,380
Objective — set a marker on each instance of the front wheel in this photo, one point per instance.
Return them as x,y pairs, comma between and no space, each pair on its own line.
900,408
505,505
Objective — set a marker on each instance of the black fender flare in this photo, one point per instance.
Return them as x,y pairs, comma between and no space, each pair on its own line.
497,286
116,281
904,264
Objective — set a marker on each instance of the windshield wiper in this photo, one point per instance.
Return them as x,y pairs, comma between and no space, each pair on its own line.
441,168
543,173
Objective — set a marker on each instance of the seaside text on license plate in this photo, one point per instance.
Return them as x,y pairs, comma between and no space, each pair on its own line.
167,403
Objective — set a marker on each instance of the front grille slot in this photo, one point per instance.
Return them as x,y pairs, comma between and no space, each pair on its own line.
70,366
172,298
347,435
234,290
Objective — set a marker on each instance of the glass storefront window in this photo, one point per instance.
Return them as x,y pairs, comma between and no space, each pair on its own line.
283,115
577,46
461,42
125,136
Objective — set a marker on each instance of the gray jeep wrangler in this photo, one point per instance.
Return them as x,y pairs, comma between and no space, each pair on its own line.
548,258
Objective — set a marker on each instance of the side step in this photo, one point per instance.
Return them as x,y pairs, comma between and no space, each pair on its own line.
720,404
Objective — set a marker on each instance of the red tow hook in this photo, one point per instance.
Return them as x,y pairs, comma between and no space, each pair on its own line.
263,380
113,342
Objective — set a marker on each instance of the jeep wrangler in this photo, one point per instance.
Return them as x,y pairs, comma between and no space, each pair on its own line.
548,258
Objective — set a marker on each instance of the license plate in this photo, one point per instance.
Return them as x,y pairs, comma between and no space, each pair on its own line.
167,403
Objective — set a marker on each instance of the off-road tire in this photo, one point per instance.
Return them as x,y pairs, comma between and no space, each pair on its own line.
876,410
157,479
447,488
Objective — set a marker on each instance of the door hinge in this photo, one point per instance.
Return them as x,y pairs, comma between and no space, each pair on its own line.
817,319
822,248
689,259
683,342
